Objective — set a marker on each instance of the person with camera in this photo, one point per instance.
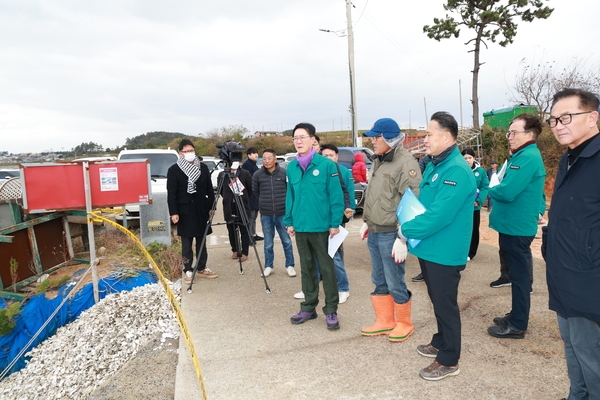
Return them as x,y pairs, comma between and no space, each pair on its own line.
251,166
236,189
190,198
313,213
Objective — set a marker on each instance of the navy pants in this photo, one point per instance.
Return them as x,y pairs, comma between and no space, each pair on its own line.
442,286
517,250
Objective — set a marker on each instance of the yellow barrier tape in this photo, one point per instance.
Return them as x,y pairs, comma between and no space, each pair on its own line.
111,210
170,295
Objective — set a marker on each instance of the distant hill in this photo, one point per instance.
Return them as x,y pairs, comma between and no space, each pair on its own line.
152,140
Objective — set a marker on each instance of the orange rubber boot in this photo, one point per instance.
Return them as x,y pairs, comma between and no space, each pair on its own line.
384,316
404,326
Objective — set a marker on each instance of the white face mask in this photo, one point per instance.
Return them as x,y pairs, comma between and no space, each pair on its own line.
189,156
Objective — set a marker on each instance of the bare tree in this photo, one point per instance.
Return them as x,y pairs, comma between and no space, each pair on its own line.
536,83
488,20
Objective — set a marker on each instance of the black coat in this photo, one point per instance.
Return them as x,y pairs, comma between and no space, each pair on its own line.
193,209
270,188
251,166
227,194
572,238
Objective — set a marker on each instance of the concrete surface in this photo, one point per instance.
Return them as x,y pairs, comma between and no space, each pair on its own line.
248,349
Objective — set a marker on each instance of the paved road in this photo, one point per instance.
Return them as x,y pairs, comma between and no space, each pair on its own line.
248,349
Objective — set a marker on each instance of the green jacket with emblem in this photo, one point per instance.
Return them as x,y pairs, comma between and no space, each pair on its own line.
447,192
482,182
389,178
517,198
314,200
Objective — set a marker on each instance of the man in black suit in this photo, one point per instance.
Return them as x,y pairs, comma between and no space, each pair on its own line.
190,198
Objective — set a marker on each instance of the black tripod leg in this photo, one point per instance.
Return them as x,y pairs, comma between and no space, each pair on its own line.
238,241
244,216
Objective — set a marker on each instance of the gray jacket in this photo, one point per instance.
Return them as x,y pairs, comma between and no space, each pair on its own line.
270,188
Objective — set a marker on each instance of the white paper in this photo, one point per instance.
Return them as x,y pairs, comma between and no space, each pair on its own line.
502,171
336,241
494,180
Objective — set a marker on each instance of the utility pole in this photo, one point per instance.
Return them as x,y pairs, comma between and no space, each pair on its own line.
460,99
356,141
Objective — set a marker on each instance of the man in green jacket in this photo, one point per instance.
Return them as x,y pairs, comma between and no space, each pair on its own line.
515,216
314,207
447,192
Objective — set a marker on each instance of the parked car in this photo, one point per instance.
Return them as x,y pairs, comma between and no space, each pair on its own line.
346,158
215,165
289,157
160,161
95,159
7,173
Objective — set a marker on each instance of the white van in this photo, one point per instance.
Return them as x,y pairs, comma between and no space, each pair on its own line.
160,161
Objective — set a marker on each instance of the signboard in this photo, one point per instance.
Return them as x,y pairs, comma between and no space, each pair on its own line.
60,186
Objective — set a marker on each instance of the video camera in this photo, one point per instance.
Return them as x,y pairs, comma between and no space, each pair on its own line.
230,151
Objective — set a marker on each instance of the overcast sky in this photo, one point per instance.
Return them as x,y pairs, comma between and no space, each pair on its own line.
80,71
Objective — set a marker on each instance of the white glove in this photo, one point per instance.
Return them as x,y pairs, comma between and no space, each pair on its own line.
400,235
399,251
364,231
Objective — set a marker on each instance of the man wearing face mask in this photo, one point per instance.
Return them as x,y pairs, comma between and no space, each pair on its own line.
190,198
394,170
234,210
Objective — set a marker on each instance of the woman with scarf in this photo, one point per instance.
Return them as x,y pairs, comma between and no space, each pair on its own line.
190,198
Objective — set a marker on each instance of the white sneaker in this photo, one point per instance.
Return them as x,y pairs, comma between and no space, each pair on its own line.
188,276
291,271
299,295
268,271
343,296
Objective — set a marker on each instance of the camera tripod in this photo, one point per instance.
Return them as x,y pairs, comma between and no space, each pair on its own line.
240,218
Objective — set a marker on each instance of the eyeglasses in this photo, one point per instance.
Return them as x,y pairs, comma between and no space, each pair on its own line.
299,138
374,138
513,133
563,119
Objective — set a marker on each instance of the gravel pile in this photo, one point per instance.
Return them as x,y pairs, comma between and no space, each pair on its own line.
87,352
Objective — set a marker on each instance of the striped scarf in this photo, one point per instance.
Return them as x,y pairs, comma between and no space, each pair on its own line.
192,171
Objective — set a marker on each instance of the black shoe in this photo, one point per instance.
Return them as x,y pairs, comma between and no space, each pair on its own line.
505,331
257,238
418,278
500,283
501,320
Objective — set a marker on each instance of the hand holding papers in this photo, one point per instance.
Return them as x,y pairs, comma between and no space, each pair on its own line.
497,176
408,209
336,241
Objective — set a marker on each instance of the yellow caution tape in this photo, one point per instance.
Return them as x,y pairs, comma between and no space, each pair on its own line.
95,215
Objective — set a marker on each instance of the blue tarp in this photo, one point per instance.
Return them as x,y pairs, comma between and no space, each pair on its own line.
38,309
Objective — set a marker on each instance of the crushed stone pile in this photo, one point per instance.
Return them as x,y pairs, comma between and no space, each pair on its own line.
88,351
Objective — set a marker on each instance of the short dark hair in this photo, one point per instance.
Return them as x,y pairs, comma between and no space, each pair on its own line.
185,142
532,123
269,151
310,128
318,138
587,100
446,121
251,150
329,146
